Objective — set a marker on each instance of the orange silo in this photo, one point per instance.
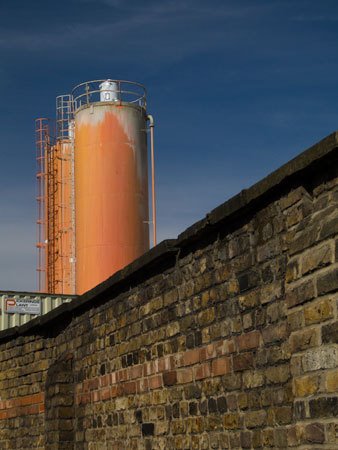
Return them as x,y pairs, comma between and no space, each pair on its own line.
56,252
111,179
93,201
61,276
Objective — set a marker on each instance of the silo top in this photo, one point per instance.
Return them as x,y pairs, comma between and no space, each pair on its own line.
119,91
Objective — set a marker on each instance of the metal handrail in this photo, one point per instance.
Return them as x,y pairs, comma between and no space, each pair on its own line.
127,92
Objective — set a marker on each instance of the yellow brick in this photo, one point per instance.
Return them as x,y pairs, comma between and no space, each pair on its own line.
231,421
233,286
305,386
332,381
205,298
319,312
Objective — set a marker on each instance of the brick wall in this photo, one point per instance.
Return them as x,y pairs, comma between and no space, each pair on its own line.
224,338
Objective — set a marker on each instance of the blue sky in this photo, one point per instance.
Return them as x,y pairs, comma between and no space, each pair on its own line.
237,88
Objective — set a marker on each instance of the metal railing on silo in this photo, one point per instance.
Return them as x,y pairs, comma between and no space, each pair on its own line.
118,91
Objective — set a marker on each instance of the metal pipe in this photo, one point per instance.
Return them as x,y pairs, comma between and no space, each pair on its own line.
153,193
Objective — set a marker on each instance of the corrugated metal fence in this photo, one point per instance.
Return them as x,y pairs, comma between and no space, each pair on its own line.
17,308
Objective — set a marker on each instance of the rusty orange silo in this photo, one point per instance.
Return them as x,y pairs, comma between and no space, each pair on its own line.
111,179
93,213
60,233
56,222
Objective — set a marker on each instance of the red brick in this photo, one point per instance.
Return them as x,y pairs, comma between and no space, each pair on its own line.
208,352
105,393
191,357
14,412
20,401
129,387
202,371
24,401
104,380
148,369
162,364
93,384
29,399
166,363
85,398
113,391
155,382
220,366
122,375
33,409
39,398
154,366
135,372
142,385
229,346
169,378
113,378
95,396
219,348
119,390
248,341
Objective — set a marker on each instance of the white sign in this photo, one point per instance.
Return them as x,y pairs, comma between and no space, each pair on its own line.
23,305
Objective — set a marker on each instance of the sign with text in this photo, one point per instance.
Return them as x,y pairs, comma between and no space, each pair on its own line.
23,305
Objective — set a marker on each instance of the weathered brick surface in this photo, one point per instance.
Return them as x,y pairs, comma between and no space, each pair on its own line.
231,342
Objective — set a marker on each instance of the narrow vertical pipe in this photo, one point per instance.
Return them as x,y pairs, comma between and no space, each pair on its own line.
153,193
45,213
72,202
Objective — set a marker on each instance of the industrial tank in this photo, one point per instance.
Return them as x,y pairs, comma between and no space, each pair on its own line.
55,268
111,179
93,216
61,277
